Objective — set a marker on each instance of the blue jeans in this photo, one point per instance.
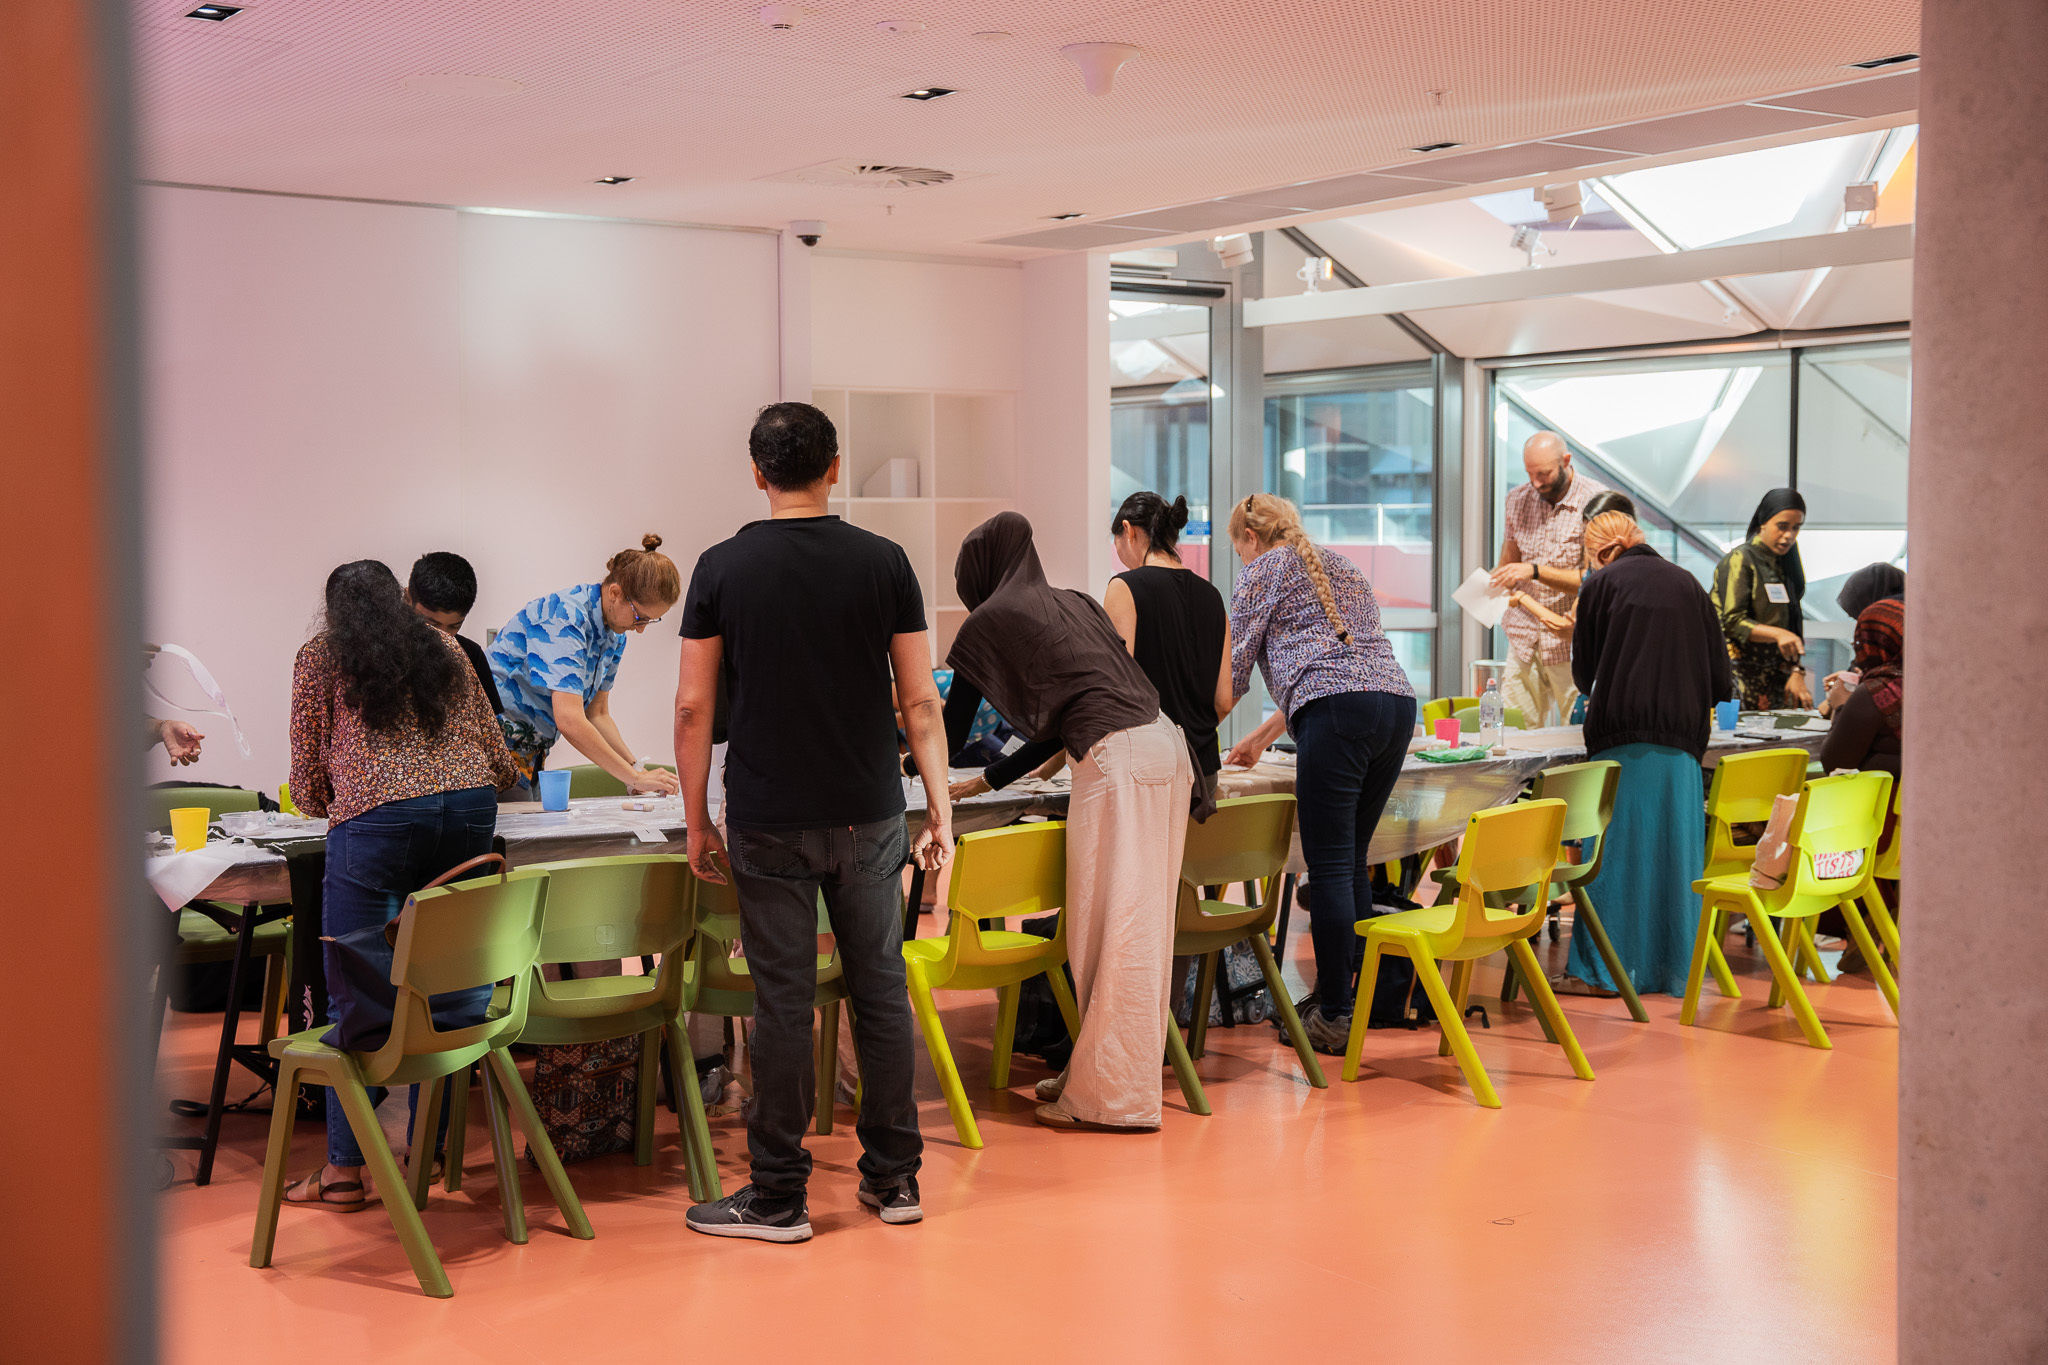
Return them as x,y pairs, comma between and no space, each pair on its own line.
779,875
374,862
1351,747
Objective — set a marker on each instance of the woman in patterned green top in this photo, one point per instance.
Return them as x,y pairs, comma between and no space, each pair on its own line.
1757,590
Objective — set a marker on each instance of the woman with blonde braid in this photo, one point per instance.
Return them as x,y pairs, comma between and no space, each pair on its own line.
1308,618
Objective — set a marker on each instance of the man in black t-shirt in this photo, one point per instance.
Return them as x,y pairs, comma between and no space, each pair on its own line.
810,621
443,589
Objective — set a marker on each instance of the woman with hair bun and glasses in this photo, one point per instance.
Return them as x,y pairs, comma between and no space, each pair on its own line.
1172,620
555,663
1308,619
393,742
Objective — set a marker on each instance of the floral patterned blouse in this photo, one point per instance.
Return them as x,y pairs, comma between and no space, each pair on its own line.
341,767
1277,622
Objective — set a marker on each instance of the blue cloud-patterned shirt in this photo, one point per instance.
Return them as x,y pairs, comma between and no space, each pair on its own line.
557,643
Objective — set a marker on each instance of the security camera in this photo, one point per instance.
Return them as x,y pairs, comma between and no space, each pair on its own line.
1234,250
808,230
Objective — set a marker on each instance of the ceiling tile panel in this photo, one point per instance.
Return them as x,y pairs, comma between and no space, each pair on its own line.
1863,99
1080,237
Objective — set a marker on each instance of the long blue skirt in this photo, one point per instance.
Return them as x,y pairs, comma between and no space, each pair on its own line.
1654,850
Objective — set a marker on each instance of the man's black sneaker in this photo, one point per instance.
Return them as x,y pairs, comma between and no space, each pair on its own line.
755,1213
896,1203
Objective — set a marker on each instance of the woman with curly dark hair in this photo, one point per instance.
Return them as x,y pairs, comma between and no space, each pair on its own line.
392,741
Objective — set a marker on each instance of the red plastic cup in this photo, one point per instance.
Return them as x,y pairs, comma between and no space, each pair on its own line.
1447,730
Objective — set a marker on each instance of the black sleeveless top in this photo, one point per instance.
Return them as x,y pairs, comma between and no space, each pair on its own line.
1181,625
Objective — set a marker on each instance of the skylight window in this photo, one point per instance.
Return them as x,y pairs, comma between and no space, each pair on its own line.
1719,199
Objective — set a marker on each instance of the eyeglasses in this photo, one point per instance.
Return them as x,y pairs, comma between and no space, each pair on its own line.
638,619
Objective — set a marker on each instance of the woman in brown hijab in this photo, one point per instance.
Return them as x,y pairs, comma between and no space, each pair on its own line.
1051,663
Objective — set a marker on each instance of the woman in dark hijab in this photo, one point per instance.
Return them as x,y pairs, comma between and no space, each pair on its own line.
1870,708
1871,583
1050,661
1757,591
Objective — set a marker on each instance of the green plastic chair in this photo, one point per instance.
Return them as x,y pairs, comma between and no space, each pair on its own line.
451,938
1742,792
1836,815
720,984
1246,840
1443,708
1885,865
1021,870
603,908
1468,718
587,779
159,802
1587,790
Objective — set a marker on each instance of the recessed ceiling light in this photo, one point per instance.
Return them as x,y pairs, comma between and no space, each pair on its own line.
1436,146
1063,217
1875,62
930,92
215,12
613,179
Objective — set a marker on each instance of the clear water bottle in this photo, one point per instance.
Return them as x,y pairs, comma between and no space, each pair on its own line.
1491,710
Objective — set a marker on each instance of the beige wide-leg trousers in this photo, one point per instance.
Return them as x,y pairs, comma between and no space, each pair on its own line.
1127,824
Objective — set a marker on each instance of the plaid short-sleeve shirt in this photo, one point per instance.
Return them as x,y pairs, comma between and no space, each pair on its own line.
1553,535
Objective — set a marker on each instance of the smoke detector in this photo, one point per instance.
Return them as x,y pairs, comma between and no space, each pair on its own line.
861,175
782,16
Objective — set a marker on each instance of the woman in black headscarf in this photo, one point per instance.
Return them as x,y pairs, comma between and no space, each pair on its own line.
1050,661
1757,590
1871,583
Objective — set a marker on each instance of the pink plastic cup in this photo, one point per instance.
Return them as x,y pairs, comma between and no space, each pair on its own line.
1447,730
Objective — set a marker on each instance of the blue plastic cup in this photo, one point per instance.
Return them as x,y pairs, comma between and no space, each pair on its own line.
1726,714
554,789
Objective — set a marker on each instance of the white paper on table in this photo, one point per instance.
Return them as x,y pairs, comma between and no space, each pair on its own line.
1482,601
648,834
178,877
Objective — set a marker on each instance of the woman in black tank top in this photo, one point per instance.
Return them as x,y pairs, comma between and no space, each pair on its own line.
1173,622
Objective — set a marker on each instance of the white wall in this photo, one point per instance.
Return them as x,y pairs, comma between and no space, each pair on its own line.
330,381
897,324
1063,436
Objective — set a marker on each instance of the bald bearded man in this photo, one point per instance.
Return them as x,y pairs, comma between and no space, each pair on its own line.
1540,554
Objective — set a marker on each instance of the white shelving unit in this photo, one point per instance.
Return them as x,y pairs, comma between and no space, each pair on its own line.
965,445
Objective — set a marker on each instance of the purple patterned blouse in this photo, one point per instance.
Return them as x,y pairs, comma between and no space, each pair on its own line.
1277,623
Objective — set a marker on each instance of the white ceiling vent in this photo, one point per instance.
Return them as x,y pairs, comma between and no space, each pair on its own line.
860,175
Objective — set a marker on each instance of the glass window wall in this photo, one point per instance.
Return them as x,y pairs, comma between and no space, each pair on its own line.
1159,411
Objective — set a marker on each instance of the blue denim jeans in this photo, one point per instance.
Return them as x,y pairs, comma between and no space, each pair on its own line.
374,862
1351,747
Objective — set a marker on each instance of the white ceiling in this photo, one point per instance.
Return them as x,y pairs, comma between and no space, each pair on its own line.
700,102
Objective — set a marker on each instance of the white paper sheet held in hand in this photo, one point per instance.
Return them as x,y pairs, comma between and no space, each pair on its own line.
1482,601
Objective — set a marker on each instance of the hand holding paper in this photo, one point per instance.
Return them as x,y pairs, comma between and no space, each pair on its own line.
1481,600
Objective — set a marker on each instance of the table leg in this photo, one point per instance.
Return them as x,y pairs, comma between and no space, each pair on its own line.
224,1059
915,904
1286,906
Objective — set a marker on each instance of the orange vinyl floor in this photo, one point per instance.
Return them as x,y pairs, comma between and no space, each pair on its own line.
1720,1193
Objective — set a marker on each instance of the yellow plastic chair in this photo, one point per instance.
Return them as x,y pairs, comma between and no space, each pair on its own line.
1886,865
450,938
1021,870
1742,792
1443,708
1836,815
604,908
719,983
1246,840
1468,718
1510,853
1588,791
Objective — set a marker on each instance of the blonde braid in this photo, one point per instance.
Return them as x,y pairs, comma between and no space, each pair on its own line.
1275,521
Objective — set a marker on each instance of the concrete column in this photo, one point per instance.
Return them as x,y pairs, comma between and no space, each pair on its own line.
1973,1202
1063,418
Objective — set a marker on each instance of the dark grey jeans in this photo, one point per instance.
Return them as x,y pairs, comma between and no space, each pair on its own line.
779,874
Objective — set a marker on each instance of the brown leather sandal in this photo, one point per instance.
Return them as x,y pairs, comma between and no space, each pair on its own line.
354,1199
